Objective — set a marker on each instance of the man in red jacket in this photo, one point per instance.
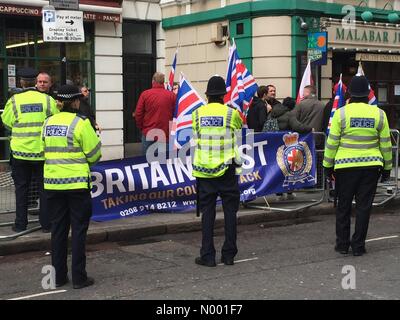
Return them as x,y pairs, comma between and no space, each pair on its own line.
155,110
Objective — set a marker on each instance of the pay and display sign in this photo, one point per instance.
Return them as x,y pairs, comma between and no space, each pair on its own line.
63,26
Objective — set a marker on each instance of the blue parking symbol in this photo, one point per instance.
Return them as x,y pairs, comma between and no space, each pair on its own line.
49,16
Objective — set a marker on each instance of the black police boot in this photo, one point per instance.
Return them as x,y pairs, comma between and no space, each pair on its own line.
88,282
202,262
227,261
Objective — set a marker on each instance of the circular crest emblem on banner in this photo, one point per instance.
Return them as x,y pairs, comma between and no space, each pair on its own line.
295,160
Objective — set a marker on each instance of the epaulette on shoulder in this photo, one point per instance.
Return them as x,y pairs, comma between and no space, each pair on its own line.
81,116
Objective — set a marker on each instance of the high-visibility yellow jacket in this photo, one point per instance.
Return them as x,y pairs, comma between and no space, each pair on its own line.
359,137
24,115
70,147
214,128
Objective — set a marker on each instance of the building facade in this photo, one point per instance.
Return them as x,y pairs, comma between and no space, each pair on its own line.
272,39
123,47
128,40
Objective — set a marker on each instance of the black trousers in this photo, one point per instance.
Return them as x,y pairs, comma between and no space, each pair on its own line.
361,184
69,209
227,188
23,171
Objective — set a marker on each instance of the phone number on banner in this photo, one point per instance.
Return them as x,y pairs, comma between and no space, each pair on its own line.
148,207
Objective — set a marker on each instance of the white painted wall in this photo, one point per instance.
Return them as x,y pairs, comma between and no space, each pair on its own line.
109,95
109,73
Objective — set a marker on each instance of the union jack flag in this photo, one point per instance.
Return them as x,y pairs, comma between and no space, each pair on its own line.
240,84
187,101
170,84
340,90
372,100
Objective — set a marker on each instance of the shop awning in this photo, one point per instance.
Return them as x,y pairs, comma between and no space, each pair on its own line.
103,10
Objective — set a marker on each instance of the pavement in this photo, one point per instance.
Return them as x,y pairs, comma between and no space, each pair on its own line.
155,224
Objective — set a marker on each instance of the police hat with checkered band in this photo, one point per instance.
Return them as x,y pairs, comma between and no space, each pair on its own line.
68,92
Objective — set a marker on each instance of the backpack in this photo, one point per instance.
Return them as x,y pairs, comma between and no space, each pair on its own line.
271,125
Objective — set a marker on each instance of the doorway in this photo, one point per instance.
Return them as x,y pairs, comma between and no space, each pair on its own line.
139,65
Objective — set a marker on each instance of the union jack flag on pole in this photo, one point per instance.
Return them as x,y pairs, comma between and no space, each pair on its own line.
340,89
372,100
240,84
187,101
170,84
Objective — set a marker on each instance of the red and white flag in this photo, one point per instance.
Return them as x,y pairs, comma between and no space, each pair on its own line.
305,81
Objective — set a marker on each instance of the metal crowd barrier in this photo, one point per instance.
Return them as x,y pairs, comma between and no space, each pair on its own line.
389,190
7,197
301,198
313,196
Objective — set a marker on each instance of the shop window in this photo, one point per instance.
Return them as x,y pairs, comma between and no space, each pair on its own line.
79,51
78,72
48,49
20,43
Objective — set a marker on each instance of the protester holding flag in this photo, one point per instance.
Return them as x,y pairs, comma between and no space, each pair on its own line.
357,151
215,162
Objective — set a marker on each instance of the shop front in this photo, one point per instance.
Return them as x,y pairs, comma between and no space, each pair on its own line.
22,45
377,47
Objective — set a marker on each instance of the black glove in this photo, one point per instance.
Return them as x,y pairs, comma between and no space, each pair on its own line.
329,172
385,175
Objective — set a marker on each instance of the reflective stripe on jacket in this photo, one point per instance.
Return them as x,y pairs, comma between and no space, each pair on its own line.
359,137
24,115
214,128
70,147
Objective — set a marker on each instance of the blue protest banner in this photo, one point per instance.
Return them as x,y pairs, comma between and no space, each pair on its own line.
278,162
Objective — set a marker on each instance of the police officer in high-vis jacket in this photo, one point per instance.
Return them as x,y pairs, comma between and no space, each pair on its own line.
216,159
357,152
24,115
71,146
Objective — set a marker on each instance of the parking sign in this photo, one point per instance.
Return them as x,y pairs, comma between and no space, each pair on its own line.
49,16
63,26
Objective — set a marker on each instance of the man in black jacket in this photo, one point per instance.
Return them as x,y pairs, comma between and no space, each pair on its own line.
258,110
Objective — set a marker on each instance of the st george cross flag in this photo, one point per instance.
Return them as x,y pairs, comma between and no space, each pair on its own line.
170,84
305,81
187,101
240,84
371,97
340,90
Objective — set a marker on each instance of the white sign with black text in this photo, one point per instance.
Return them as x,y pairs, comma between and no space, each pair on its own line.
63,26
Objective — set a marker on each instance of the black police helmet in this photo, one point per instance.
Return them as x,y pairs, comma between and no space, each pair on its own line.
216,86
68,92
27,73
359,87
